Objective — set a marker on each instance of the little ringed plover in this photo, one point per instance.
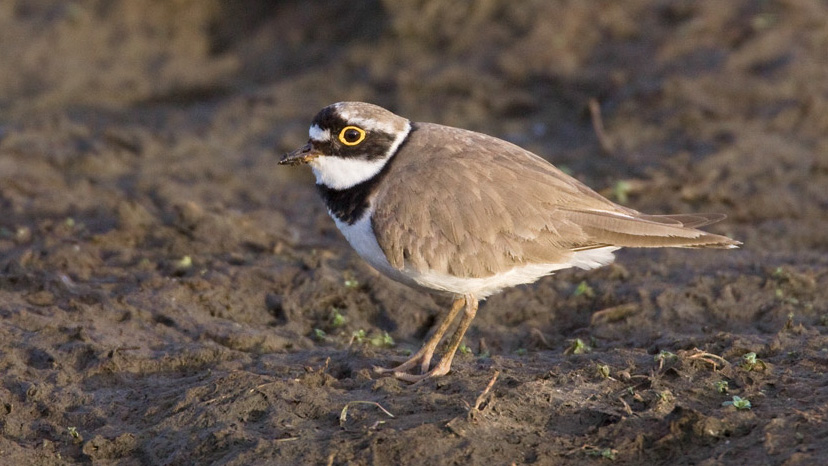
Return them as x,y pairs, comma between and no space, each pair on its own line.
454,211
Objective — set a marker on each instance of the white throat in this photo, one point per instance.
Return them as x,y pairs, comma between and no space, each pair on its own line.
343,173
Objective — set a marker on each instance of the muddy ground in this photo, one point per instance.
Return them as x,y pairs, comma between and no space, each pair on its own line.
169,295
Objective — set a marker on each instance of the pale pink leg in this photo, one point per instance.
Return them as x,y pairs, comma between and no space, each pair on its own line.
444,366
424,355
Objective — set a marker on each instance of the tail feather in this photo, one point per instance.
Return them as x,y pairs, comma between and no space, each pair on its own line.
619,229
686,220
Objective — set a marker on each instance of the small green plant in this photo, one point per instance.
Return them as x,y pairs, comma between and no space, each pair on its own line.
358,336
583,289
665,396
76,436
664,355
351,283
337,319
383,340
319,334
521,352
464,349
578,347
184,263
738,403
721,386
751,363
621,191
605,453
603,371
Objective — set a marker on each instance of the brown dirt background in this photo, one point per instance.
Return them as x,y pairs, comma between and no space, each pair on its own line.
135,134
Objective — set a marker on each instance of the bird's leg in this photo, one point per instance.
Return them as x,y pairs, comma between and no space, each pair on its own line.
424,355
444,366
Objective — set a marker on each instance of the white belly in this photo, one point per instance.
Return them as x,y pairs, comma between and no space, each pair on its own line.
361,237
484,287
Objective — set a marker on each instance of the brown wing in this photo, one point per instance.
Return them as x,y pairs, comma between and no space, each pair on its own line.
471,205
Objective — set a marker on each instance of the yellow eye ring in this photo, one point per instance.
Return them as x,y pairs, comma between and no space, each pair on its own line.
351,135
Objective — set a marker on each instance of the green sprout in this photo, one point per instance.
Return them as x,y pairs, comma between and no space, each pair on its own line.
464,349
584,289
578,347
750,362
337,319
358,336
738,403
603,370
319,334
665,355
351,283
721,386
621,191
383,340
184,263
76,436
605,453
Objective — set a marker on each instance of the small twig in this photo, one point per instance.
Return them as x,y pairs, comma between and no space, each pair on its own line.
286,439
627,408
598,125
343,416
480,399
126,348
540,337
709,358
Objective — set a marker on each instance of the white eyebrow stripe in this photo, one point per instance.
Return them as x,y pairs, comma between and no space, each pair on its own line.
373,125
318,134
366,123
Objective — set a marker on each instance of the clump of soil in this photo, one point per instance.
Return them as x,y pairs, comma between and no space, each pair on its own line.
169,295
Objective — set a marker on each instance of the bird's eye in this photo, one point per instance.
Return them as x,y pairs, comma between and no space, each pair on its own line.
351,135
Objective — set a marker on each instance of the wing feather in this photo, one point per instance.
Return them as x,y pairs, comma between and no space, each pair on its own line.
472,205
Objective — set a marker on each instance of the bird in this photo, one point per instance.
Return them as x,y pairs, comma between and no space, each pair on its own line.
457,212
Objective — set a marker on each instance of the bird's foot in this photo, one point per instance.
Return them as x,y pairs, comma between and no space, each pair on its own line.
421,358
439,370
